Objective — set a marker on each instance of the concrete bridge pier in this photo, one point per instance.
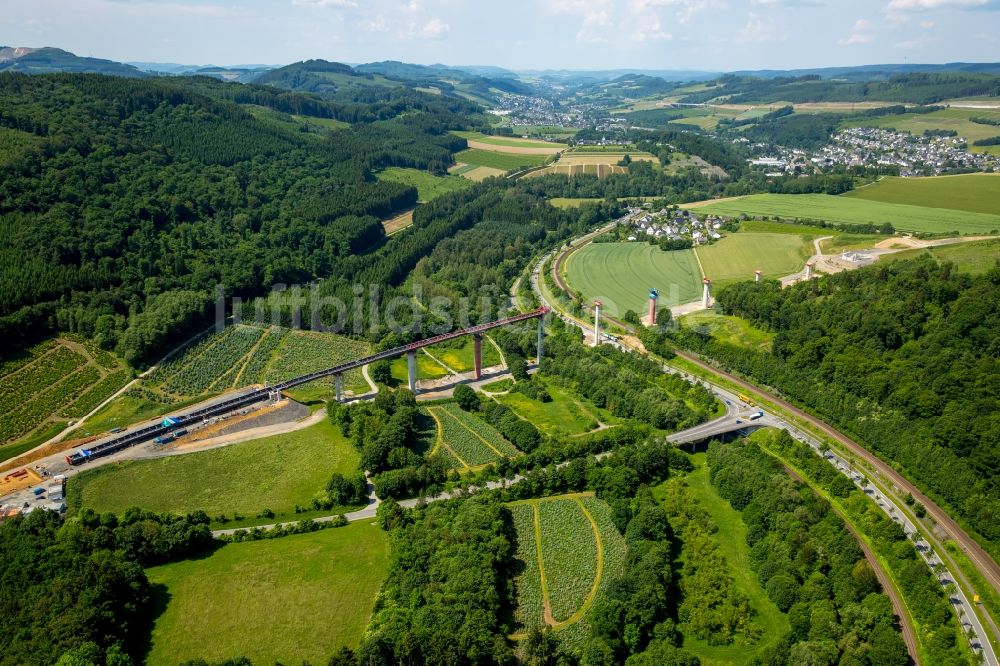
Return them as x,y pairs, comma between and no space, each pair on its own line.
477,357
541,335
411,366
338,381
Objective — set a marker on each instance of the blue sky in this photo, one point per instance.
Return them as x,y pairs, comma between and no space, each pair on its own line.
523,34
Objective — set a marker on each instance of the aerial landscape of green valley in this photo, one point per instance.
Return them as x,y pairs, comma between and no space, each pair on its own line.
667,335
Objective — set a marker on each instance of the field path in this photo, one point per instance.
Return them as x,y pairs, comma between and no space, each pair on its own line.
440,443
474,434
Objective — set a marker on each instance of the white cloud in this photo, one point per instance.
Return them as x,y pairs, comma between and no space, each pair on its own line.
924,5
758,29
435,29
927,25
861,33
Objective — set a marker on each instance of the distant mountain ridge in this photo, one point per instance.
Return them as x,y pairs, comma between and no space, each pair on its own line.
48,59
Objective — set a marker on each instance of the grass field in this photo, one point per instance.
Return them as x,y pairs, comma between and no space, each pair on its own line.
429,186
945,119
854,210
495,160
511,141
468,440
460,357
271,473
729,330
568,552
427,368
52,383
976,193
976,257
621,274
737,256
566,414
731,538
562,202
288,600
397,223
302,352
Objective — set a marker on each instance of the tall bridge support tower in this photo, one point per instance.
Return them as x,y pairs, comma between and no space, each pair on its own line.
706,297
477,356
653,296
338,381
411,366
597,322
541,337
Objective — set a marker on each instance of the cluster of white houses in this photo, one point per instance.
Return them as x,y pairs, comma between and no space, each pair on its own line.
679,225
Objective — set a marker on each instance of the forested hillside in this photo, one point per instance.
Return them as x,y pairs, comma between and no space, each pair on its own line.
903,357
124,202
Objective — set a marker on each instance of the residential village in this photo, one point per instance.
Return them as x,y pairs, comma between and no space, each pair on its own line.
672,225
914,155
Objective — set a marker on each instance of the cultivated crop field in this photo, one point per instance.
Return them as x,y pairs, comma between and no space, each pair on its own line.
976,193
51,383
497,160
274,473
854,210
291,600
467,438
569,555
621,274
599,170
510,144
429,186
568,550
211,365
737,256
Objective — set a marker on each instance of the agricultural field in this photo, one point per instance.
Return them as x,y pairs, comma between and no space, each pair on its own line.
51,384
242,355
853,210
563,202
566,414
729,330
275,473
737,256
621,274
975,257
475,173
569,556
945,119
587,156
467,439
511,144
429,186
976,193
599,170
302,352
568,550
397,223
496,160
308,594
459,355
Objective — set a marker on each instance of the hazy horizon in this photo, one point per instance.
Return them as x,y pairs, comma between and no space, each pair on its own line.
694,35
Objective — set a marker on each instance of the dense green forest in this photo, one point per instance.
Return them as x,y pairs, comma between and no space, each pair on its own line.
123,202
902,357
77,590
915,88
